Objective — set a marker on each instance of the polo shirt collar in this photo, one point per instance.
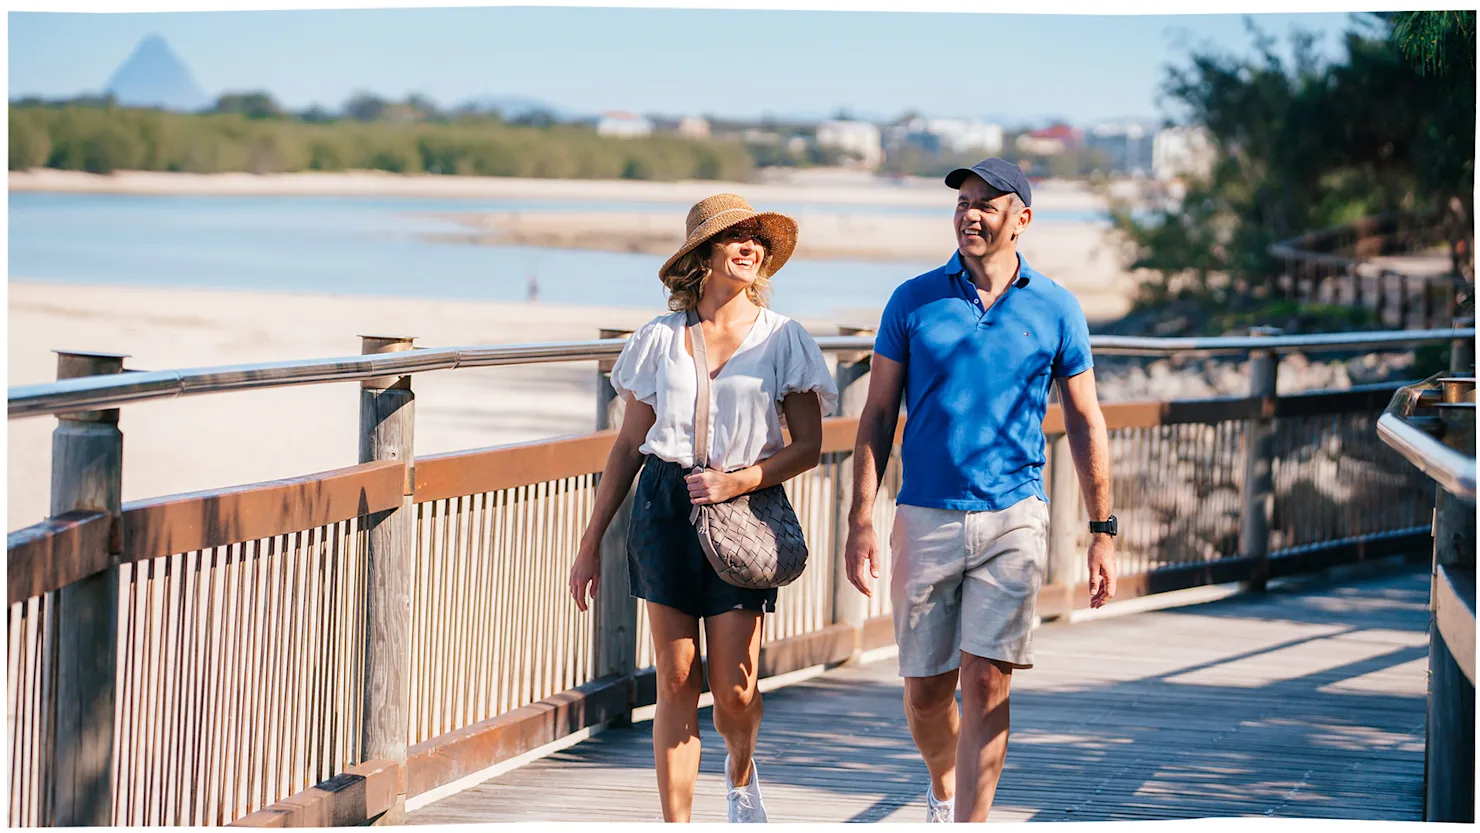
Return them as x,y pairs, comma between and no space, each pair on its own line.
956,270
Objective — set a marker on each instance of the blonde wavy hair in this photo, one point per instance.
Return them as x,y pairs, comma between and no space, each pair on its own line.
686,279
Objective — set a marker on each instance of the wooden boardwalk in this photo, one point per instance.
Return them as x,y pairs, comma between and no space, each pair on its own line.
1307,701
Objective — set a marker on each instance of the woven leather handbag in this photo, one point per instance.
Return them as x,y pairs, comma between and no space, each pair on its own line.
752,540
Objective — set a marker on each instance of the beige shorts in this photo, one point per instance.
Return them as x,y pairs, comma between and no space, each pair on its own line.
966,581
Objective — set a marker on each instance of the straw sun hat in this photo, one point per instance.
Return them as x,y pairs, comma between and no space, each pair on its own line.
713,215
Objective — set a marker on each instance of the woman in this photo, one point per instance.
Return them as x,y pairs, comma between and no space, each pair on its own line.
763,366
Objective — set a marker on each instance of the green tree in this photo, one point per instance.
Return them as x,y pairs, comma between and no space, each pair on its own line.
104,139
30,145
1437,43
255,105
1302,145
365,107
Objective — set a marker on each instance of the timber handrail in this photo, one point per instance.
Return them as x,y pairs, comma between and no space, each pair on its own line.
111,391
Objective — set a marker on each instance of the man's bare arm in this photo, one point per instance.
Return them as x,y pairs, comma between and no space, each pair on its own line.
1089,445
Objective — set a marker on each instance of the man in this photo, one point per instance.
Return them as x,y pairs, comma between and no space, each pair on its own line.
973,347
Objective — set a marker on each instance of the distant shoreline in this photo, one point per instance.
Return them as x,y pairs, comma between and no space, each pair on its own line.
805,187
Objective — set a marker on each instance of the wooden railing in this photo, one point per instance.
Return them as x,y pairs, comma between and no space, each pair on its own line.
1432,424
318,650
1336,266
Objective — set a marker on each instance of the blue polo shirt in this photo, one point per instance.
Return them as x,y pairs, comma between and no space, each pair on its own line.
976,383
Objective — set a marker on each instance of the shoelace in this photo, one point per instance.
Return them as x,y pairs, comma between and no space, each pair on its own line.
940,813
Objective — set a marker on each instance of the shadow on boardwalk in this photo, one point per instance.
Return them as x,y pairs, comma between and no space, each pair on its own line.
1302,702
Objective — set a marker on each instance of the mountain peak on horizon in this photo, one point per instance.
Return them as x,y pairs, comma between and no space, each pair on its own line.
153,76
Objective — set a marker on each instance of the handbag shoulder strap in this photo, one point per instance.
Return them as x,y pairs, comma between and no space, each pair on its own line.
701,398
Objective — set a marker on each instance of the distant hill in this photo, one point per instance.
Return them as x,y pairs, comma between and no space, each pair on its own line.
155,77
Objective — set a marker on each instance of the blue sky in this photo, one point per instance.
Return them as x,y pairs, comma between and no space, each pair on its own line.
720,62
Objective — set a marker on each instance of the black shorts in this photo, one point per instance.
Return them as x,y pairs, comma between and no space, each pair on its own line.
665,563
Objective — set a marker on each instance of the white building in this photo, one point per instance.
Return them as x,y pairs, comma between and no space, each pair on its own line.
858,139
693,127
955,136
623,125
1182,152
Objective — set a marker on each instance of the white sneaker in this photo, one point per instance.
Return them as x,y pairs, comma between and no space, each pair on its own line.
937,812
745,802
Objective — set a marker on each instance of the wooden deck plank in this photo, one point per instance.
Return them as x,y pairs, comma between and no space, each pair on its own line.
1303,702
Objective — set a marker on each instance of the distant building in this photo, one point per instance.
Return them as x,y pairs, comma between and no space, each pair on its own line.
1050,141
953,136
1126,146
858,139
1179,152
693,127
623,125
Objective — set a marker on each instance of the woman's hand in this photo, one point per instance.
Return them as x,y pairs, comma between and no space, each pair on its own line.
585,573
714,486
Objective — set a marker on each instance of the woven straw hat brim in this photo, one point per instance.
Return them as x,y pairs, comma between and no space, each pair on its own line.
778,229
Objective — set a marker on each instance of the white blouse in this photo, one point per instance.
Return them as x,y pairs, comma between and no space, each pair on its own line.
776,358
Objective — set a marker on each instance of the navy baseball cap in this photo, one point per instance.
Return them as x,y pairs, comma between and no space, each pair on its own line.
999,173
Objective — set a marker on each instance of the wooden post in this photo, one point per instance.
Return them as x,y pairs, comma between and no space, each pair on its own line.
849,606
1462,350
609,407
387,428
1405,289
86,473
1428,288
1064,522
1449,749
1379,298
616,609
1258,496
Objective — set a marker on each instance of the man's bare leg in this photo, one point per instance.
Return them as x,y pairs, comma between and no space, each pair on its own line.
935,724
983,745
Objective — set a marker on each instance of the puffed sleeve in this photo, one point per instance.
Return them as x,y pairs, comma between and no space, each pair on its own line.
636,369
802,368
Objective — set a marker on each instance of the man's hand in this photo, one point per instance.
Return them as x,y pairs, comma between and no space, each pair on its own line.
863,546
1101,569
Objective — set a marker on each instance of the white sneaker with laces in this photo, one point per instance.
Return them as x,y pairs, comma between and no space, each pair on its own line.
937,812
745,802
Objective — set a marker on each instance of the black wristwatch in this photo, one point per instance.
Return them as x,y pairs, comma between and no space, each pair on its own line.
1110,527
